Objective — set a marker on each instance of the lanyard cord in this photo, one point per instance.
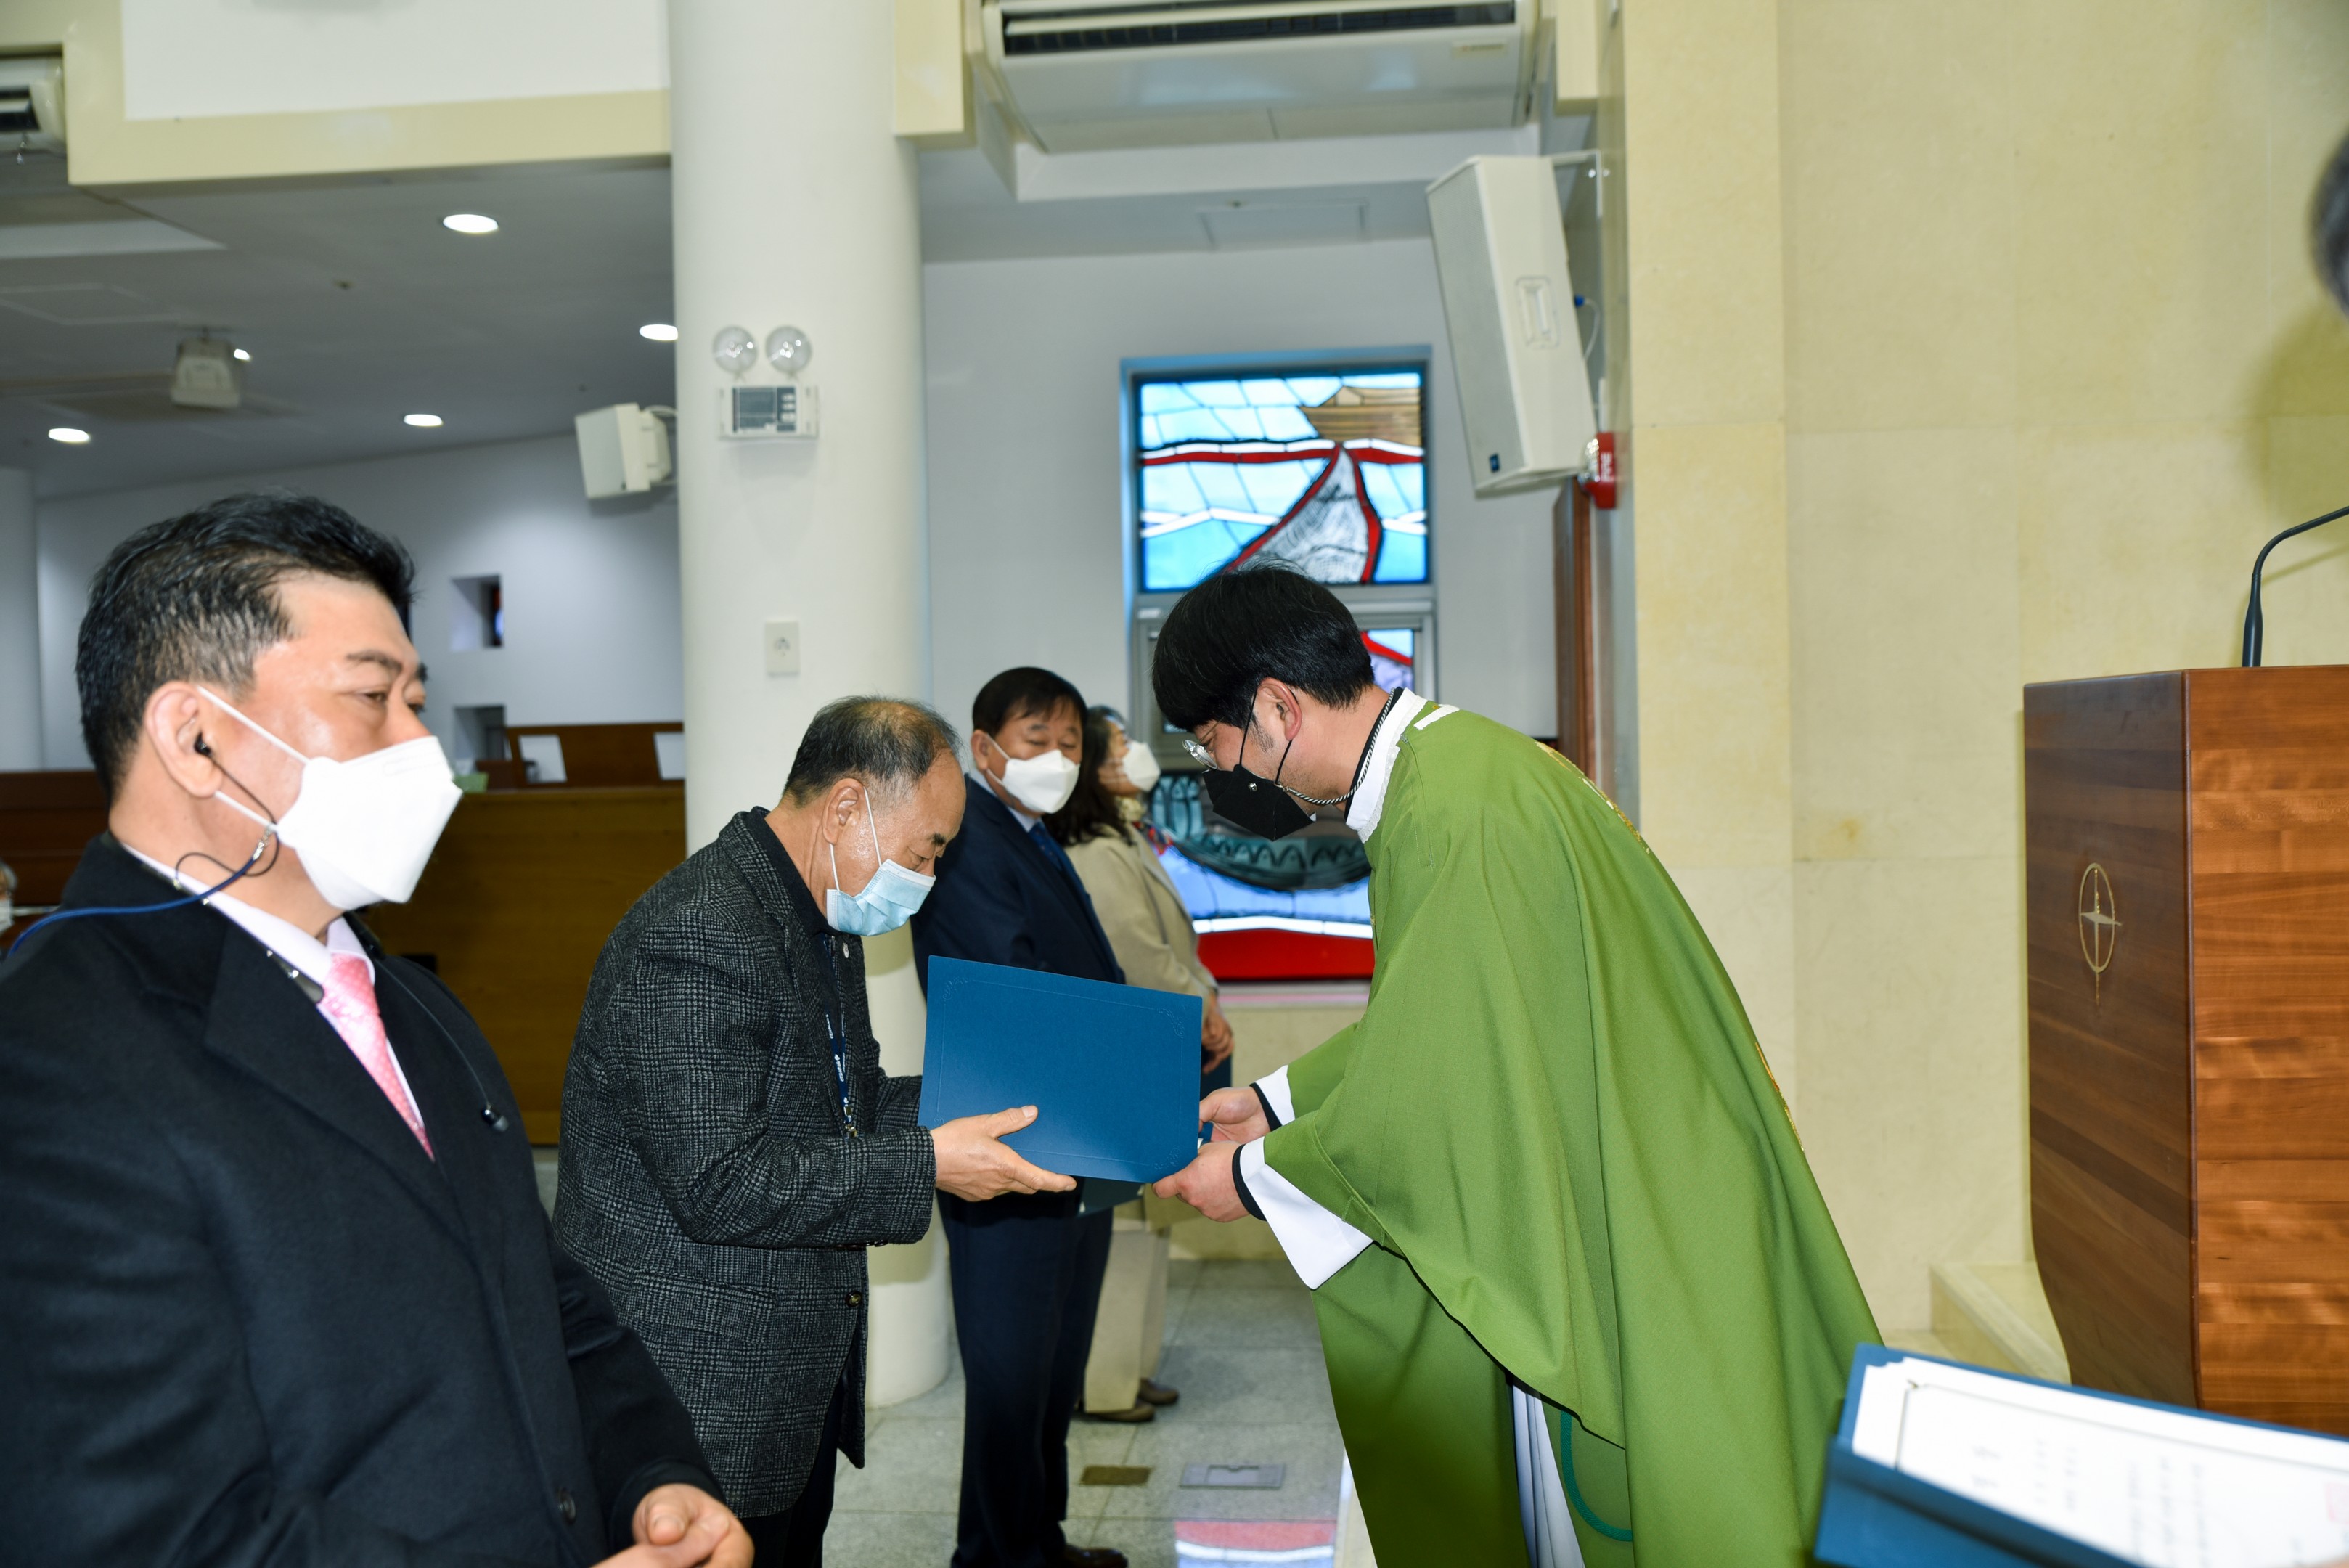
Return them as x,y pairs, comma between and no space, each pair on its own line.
837,1032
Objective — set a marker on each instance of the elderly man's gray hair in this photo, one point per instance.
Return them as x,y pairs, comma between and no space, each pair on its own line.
887,743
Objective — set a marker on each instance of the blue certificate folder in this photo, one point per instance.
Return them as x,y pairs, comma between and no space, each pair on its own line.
1113,1070
1874,1517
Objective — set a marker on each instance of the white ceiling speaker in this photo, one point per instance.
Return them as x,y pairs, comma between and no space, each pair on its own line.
207,374
1143,73
624,449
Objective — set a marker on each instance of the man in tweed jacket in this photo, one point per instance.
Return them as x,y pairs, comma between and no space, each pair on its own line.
730,1146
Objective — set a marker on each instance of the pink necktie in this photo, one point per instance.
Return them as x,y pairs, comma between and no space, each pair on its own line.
350,1004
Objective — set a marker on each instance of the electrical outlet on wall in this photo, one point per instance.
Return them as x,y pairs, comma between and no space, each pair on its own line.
783,647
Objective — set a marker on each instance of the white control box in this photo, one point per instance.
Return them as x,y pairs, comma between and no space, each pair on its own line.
623,451
782,412
1508,304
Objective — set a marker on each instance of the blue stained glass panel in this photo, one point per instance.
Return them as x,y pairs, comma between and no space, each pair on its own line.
1322,415
1172,487
1190,555
1379,487
1402,558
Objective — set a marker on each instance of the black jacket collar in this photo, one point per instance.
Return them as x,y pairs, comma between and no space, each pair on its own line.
258,1019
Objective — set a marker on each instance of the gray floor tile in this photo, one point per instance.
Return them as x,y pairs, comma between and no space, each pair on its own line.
912,1464
1248,1275
1243,1350
1250,1320
1146,1542
1250,1387
1309,1490
889,1540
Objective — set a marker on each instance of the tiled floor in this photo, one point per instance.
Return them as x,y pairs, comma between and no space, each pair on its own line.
1242,1348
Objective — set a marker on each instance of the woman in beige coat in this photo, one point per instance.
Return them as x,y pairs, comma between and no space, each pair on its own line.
1103,831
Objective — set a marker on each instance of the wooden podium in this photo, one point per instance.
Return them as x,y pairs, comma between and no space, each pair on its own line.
2186,841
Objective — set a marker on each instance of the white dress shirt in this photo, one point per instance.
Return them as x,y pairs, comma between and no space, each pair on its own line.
1318,1242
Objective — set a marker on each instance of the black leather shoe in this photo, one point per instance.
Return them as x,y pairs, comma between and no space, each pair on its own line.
1092,1557
1157,1394
1135,1416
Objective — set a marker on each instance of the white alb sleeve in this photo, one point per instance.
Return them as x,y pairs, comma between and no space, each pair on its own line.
1318,1242
1274,1087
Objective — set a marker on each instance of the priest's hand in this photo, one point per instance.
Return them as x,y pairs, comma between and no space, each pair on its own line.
1236,1114
975,1163
1205,1184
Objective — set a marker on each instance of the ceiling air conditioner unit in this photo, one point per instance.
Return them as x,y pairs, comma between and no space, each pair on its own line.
1118,73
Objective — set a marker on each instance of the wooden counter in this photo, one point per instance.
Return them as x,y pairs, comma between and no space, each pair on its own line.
514,907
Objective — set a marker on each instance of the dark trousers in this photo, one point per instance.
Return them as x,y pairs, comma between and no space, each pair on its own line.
795,1538
1026,1275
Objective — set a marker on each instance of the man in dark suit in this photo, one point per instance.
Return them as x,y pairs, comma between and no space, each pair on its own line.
731,1144
1026,1271
278,1286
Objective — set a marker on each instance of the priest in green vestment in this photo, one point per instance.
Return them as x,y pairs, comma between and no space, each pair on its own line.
1579,1294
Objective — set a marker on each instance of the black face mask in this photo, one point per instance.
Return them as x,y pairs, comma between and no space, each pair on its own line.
1254,804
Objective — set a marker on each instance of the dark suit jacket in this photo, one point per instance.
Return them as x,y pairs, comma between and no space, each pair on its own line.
246,1320
1001,900
707,1178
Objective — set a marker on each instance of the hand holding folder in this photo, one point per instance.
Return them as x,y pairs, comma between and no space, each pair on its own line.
1113,1070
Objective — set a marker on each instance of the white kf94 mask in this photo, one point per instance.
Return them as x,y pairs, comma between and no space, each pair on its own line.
363,828
1042,783
1140,766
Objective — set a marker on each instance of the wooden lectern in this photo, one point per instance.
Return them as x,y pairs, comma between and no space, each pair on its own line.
2187,839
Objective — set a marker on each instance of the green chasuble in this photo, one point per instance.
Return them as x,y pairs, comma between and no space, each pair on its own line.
1556,1130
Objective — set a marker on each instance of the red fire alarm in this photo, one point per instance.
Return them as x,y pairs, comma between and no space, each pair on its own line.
1600,481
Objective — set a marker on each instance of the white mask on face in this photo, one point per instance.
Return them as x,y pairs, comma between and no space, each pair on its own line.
1043,784
363,828
1140,766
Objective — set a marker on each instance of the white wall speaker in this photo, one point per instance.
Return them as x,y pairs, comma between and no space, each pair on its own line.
1508,304
623,451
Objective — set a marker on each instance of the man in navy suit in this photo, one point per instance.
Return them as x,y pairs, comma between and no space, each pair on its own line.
1027,1269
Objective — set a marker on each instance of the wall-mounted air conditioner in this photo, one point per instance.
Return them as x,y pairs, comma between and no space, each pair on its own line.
1123,73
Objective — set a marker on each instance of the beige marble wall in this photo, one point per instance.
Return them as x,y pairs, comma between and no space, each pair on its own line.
2049,362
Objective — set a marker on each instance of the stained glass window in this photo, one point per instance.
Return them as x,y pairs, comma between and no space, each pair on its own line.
1324,473
1391,655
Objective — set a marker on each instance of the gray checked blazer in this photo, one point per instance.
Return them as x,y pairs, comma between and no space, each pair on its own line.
707,1179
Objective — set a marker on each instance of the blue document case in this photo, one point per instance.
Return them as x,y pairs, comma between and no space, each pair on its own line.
1874,1516
1113,1070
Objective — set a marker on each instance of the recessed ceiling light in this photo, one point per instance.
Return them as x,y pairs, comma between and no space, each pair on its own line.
470,224
242,355
421,422
69,435
658,331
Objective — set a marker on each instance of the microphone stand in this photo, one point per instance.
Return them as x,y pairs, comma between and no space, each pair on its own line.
2254,623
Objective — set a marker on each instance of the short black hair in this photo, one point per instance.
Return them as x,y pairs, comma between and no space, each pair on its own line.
1016,694
886,744
2328,226
1231,633
195,599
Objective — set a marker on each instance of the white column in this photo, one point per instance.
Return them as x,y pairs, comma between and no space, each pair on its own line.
20,625
794,203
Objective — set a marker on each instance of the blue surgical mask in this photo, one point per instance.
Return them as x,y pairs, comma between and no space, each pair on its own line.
887,901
